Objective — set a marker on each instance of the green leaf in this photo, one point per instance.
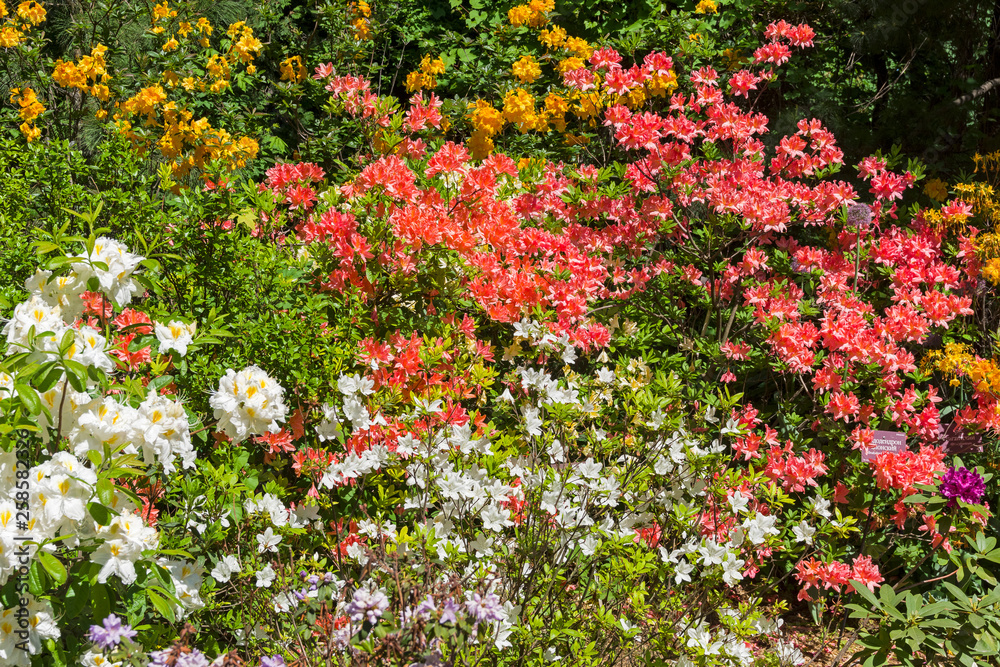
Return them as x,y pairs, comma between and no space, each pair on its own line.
105,492
29,397
99,601
161,605
865,593
101,514
52,565
56,653
38,581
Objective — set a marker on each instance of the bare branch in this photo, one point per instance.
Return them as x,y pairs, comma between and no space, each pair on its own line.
978,92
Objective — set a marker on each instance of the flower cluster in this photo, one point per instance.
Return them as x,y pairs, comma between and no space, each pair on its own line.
247,403
962,484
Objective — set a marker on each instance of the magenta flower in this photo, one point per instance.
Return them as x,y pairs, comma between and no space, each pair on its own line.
964,484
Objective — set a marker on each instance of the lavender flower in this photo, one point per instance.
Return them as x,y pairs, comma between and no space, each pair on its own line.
449,613
167,656
963,484
426,608
273,661
859,215
484,608
367,605
111,634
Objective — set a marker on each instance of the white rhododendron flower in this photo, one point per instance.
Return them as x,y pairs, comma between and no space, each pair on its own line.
41,626
265,577
34,314
187,578
268,541
226,568
116,282
161,429
248,402
125,540
175,336
62,291
60,490
329,428
100,422
89,349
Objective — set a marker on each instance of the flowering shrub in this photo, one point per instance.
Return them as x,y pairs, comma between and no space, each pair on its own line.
492,407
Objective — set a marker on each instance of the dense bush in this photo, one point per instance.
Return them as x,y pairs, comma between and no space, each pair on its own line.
382,334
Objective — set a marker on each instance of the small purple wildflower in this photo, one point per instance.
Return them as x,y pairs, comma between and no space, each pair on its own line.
859,215
113,632
449,613
193,659
273,661
964,484
426,608
484,608
367,605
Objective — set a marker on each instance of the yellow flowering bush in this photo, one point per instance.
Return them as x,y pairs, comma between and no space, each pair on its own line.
956,361
425,77
31,108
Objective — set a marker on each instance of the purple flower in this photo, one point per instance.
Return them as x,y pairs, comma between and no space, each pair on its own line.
484,608
193,659
450,611
964,484
111,634
426,608
273,661
859,215
367,605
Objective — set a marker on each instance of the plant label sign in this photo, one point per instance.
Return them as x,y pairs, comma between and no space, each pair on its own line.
955,440
884,441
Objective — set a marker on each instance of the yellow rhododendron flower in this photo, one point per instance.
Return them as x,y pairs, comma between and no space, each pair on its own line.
361,29
526,69
432,67
31,108
706,7
570,64
936,189
991,270
10,37
30,132
662,85
553,38
414,82
519,109
485,118
579,47
292,69
480,145
31,11
519,15
146,100
163,11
